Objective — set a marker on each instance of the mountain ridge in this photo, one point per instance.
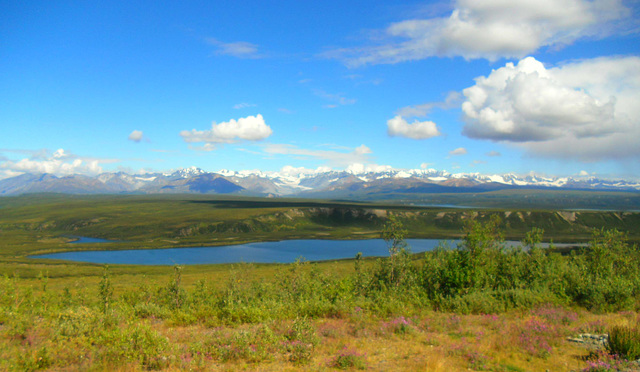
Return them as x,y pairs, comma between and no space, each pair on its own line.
322,183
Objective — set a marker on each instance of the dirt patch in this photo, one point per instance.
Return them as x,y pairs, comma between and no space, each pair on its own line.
568,216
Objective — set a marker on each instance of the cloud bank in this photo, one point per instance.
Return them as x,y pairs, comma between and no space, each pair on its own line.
59,162
491,29
585,110
340,159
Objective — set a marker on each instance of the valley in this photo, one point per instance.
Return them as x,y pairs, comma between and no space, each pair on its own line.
501,308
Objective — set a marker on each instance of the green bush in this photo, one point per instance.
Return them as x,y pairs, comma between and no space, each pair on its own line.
624,341
135,344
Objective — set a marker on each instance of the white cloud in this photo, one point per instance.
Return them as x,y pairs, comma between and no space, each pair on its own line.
586,110
251,128
243,105
416,130
207,147
238,49
136,136
60,154
337,99
493,153
458,151
368,168
59,162
492,29
360,154
296,171
583,173
453,99
362,150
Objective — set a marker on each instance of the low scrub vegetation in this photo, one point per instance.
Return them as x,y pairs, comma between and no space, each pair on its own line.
624,341
481,305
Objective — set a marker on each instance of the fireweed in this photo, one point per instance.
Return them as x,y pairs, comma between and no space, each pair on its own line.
348,358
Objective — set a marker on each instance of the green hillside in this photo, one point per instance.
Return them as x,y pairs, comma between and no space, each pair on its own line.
46,223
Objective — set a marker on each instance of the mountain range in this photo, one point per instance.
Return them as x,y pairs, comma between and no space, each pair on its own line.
316,184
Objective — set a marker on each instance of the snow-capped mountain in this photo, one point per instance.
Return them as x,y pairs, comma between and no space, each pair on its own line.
292,182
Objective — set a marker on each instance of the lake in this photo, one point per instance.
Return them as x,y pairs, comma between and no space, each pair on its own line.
86,240
285,251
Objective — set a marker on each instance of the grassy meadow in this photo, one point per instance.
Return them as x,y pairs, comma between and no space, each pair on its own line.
480,306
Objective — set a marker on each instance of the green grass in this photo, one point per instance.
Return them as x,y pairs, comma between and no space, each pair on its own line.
370,313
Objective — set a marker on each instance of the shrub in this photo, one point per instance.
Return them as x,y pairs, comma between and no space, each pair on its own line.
625,342
251,346
348,358
138,344
34,359
300,341
149,310
602,362
76,322
399,326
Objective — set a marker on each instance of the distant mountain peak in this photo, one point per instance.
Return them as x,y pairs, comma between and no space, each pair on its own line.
322,182
186,172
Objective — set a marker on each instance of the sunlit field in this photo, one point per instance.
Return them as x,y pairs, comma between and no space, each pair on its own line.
477,306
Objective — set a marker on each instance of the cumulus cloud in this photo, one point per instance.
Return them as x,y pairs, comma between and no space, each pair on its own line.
458,151
59,162
416,130
493,153
238,49
491,29
360,154
585,110
136,136
251,128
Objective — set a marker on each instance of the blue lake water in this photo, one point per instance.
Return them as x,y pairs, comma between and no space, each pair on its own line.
285,251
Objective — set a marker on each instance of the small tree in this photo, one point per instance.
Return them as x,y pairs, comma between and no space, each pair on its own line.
535,267
395,270
393,234
481,243
105,290
174,289
360,280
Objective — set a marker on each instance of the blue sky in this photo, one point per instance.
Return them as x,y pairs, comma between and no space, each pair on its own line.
492,86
